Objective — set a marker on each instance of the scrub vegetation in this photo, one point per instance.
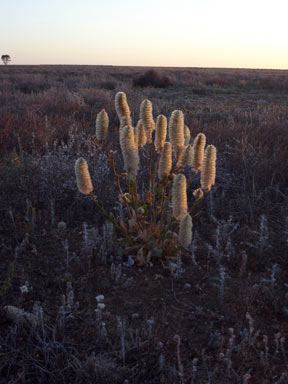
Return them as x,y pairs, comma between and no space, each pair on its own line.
96,284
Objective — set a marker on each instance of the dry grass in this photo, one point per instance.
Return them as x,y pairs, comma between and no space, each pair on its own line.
226,301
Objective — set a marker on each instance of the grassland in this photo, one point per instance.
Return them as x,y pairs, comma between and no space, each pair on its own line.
220,315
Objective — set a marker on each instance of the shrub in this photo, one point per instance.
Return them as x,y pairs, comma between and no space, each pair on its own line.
156,222
109,85
152,78
29,88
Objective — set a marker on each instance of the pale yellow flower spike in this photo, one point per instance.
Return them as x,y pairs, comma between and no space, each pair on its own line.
136,136
198,151
165,163
83,179
179,196
102,122
129,152
180,154
188,156
122,108
208,172
187,135
176,130
185,156
161,133
125,120
142,137
146,116
185,231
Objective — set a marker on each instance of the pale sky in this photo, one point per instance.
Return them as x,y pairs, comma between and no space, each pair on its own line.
173,33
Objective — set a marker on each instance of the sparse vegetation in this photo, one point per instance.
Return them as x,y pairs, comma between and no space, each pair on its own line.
74,306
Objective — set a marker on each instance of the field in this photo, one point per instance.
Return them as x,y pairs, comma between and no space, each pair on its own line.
218,314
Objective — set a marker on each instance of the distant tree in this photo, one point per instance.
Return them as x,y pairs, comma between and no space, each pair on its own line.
5,59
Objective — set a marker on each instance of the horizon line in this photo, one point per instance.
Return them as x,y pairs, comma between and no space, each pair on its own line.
142,66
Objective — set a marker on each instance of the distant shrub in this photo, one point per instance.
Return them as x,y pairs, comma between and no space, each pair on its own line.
152,78
109,85
29,88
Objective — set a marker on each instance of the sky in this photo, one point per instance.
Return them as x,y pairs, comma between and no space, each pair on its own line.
172,33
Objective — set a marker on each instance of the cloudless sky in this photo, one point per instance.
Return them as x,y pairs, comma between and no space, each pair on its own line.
182,33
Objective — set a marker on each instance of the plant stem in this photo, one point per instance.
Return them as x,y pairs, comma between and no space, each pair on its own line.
150,167
111,163
100,207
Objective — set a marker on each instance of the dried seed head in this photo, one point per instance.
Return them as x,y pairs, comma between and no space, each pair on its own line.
165,163
161,133
83,179
176,129
185,231
179,196
102,122
142,137
146,116
198,194
188,156
198,151
121,105
187,135
208,171
129,152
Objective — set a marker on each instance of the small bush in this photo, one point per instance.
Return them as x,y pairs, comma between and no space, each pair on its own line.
29,88
109,85
152,78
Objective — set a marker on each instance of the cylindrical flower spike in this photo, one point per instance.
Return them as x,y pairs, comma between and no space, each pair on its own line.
180,154
83,178
165,163
124,120
146,116
179,196
176,129
188,156
185,231
123,110
129,152
102,122
161,133
187,135
208,171
121,105
136,136
198,151
142,137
